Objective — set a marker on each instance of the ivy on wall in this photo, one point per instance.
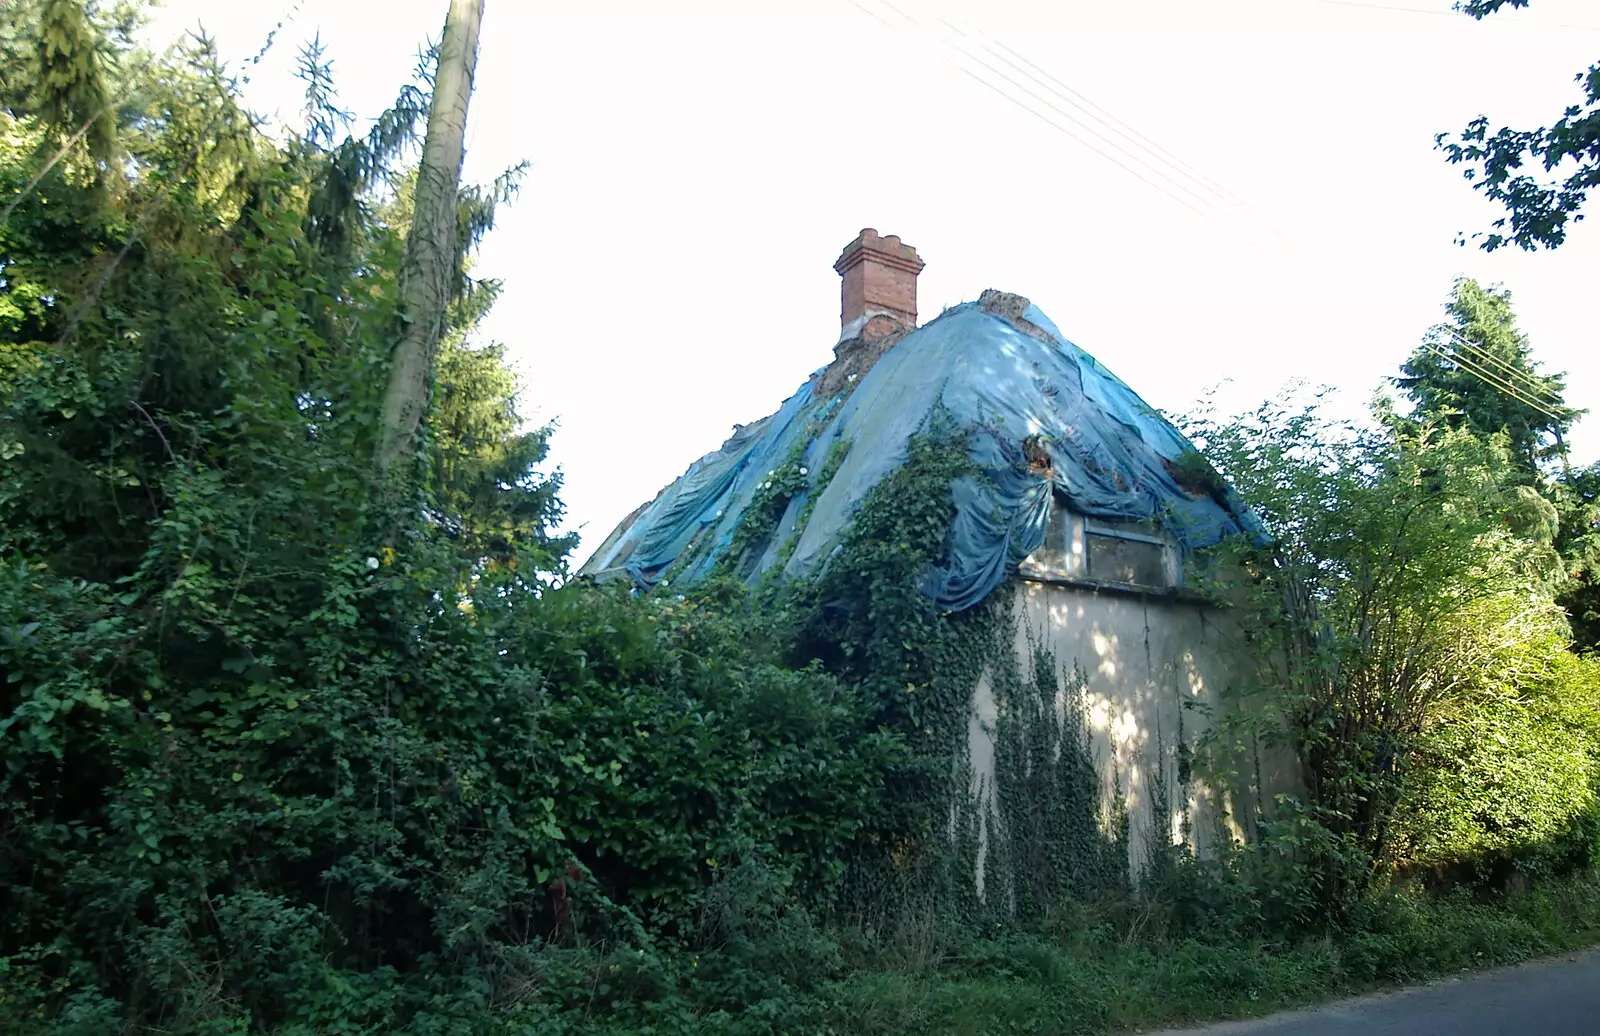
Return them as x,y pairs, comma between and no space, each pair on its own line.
1044,831
1054,836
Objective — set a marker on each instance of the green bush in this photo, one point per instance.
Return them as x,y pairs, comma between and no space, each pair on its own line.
287,745
672,754
1509,783
1408,651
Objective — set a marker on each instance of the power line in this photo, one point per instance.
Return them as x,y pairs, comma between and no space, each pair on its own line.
968,53
1071,117
1089,107
1477,370
1522,379
1475,367
1057,126
1113,158
874,14
1041,116
1488,379
1068,100
1456,361
1159,161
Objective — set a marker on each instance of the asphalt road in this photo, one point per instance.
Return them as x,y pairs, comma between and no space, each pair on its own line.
1556,997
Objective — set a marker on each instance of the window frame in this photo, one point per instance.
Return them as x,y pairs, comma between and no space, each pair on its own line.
1077,554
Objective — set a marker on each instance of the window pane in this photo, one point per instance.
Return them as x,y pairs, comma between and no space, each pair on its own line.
1058,536
1126,561
1060,553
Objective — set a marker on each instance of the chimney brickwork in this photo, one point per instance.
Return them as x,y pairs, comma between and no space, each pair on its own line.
879,290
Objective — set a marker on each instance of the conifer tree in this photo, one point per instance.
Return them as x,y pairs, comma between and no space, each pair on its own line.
1475,371
70,91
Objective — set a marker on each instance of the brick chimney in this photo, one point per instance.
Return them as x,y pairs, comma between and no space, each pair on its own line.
880,286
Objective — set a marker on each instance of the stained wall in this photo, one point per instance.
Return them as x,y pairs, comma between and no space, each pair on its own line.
1155,668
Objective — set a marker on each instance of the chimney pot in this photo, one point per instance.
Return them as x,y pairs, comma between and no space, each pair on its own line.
879,281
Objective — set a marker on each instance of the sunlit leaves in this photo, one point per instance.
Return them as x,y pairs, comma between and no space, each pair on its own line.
1541,176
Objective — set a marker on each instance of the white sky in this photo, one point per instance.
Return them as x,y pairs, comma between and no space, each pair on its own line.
696,168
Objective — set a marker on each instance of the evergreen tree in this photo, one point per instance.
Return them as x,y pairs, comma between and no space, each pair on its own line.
70,88
1475,371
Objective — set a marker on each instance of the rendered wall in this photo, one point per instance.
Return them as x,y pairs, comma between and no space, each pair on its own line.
1143,658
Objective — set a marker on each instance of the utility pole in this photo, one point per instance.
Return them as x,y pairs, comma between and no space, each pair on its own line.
430,262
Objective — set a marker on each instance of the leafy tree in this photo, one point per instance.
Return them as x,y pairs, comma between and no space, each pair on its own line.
1505,780
1577,501
1390,589
274,752
1538,209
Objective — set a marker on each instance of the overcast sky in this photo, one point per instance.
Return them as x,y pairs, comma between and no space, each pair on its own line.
1238,191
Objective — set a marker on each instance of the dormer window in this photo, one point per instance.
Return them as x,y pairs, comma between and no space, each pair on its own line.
1094,550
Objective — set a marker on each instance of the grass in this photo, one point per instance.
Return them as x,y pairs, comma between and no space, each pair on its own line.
1080,973
1092,982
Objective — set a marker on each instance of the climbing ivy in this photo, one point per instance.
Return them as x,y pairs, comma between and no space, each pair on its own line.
1055,836
1043,831
759,520
830,466
864,614
760,517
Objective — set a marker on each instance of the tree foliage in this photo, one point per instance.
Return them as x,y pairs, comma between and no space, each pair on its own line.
1506,779
1564,158
1476,372
1577,500
1393,607
275,753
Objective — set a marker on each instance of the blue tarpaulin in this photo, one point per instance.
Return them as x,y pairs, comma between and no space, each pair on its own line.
1004,382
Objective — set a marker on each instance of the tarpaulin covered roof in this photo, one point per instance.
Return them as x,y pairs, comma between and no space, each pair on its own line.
1003,373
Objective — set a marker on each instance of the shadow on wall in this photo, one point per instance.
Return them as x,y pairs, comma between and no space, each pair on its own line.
1134,681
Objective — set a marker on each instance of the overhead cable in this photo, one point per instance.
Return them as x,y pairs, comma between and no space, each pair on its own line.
1488,379
1117,154
1049,102
1066,93
1521,378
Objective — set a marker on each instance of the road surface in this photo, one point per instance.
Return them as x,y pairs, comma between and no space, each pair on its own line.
1555,997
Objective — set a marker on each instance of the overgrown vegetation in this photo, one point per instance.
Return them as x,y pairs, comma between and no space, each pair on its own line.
294,744
279,753
1395,608
1057,841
